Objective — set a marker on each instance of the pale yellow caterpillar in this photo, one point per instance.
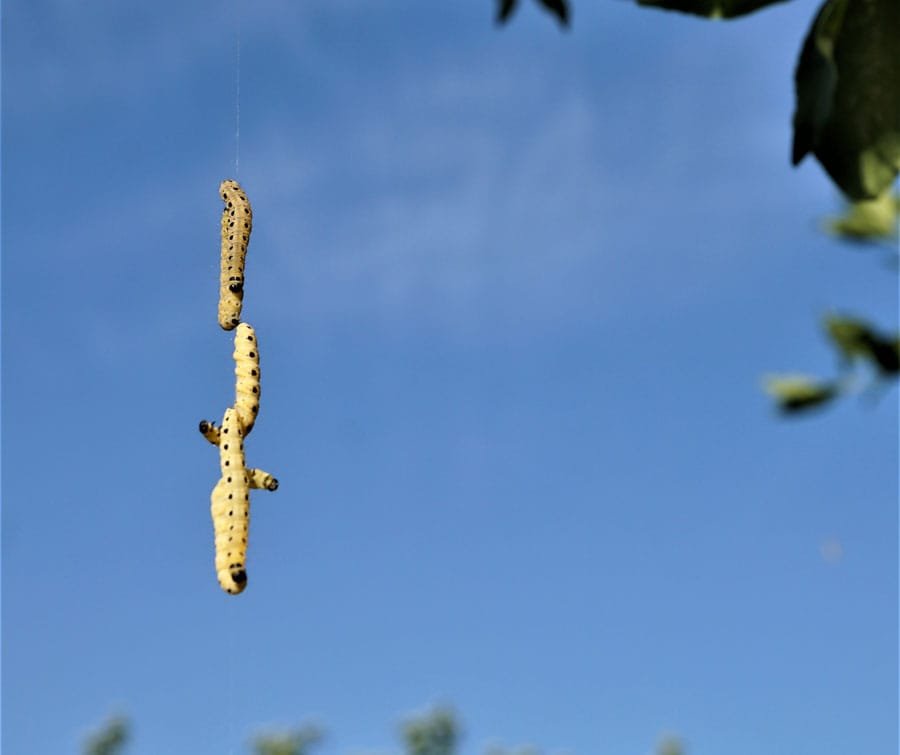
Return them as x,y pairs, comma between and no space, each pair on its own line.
231,507
237,222
247,376
259,479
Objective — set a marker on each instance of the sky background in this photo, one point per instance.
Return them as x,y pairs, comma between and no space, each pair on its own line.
514,290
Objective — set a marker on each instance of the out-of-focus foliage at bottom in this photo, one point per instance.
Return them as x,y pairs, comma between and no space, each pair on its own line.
435,732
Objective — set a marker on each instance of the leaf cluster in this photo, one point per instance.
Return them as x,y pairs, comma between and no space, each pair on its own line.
855,341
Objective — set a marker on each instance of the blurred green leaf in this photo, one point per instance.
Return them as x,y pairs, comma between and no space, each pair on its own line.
711,8
559,8
505,9
434,733
670,746
296,742
869,220
110,739
799,393
856,338
848,95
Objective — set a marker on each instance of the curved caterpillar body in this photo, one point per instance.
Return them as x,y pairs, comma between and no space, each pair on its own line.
237,222
246,372
231,507
259,479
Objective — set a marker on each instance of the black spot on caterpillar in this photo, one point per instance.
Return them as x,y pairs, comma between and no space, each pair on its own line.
259,479
237,222
247,375
230,507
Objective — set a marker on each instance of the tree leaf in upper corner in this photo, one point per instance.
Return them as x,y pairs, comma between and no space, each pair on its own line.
711,8
869,220
848,95
558,8
505,9
798,393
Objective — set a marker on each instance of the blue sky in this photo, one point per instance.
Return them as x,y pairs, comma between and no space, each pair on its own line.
514,291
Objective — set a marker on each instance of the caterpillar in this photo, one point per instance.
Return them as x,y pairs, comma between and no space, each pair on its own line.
230,507
247,376
237,222
258,478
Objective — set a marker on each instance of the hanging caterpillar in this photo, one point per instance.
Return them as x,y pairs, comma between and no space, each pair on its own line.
247,375
258,478
237,222
230,507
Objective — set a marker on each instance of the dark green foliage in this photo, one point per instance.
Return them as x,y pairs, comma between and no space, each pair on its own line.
711,8
110,739
559,8
434,733
296,742
848,95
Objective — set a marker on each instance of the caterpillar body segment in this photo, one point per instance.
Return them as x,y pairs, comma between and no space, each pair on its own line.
247,375
230,507
259,478
237,223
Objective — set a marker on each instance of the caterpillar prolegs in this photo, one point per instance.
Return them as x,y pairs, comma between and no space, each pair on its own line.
237,222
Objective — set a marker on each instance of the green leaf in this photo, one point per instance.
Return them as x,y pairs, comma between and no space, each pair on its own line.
559,8
296,742
505,9
433,733
110,739
711,8
869,220
848,95
799,393
856,338
670,746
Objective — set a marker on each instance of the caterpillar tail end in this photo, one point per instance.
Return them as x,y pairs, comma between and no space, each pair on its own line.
233,579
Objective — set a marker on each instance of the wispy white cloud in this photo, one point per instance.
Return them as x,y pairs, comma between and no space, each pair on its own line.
459,203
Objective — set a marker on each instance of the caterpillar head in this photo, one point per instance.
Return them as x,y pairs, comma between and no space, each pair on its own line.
228,186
